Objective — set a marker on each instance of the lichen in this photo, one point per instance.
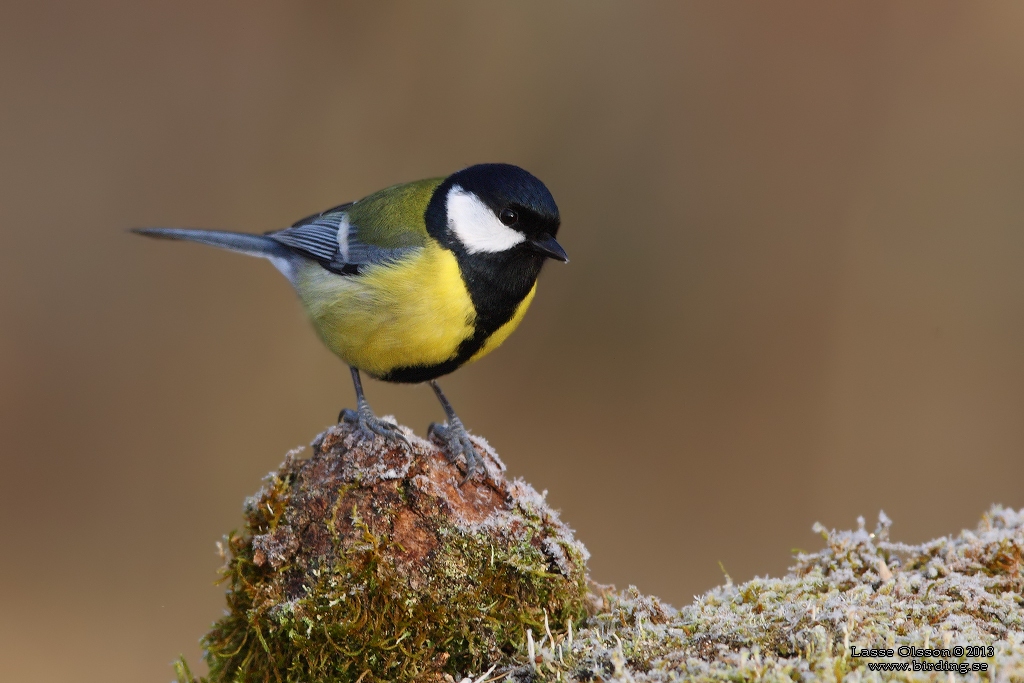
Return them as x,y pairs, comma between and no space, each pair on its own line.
368,562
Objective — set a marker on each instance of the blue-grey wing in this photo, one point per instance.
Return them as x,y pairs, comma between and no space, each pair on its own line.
333,241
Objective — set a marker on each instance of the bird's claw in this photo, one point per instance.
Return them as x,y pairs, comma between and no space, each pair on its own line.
457,438
370,425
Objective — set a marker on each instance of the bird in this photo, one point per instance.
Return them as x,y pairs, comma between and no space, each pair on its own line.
414,281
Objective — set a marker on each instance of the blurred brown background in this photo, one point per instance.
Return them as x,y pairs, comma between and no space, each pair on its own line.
796,288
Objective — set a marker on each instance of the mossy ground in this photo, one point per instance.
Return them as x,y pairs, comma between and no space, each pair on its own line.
368,563
861,591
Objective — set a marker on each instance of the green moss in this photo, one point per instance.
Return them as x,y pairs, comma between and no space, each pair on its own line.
369,563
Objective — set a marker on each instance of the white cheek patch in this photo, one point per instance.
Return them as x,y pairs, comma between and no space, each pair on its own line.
476,226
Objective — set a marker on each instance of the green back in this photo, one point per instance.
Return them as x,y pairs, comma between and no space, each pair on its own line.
393,217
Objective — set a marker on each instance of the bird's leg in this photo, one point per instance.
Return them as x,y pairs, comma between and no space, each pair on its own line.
455,435
363,415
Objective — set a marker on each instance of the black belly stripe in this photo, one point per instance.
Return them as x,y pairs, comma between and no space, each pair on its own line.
497,285
413,374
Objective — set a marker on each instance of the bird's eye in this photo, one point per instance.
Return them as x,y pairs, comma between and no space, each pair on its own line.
508,216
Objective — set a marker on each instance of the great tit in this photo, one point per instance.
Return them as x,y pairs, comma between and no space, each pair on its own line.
415,280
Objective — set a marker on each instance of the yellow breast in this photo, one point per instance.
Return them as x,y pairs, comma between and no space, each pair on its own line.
412,312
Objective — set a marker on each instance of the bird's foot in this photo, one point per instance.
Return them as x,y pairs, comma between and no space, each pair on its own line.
370,425
457,438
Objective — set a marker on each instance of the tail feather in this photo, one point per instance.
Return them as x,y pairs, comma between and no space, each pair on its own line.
256,245
253,245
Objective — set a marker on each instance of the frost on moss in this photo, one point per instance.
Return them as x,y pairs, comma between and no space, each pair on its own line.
862,591
367,561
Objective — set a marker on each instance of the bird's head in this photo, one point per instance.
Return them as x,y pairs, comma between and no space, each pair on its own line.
496,210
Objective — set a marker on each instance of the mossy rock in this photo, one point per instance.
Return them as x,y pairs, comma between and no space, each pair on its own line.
368,561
